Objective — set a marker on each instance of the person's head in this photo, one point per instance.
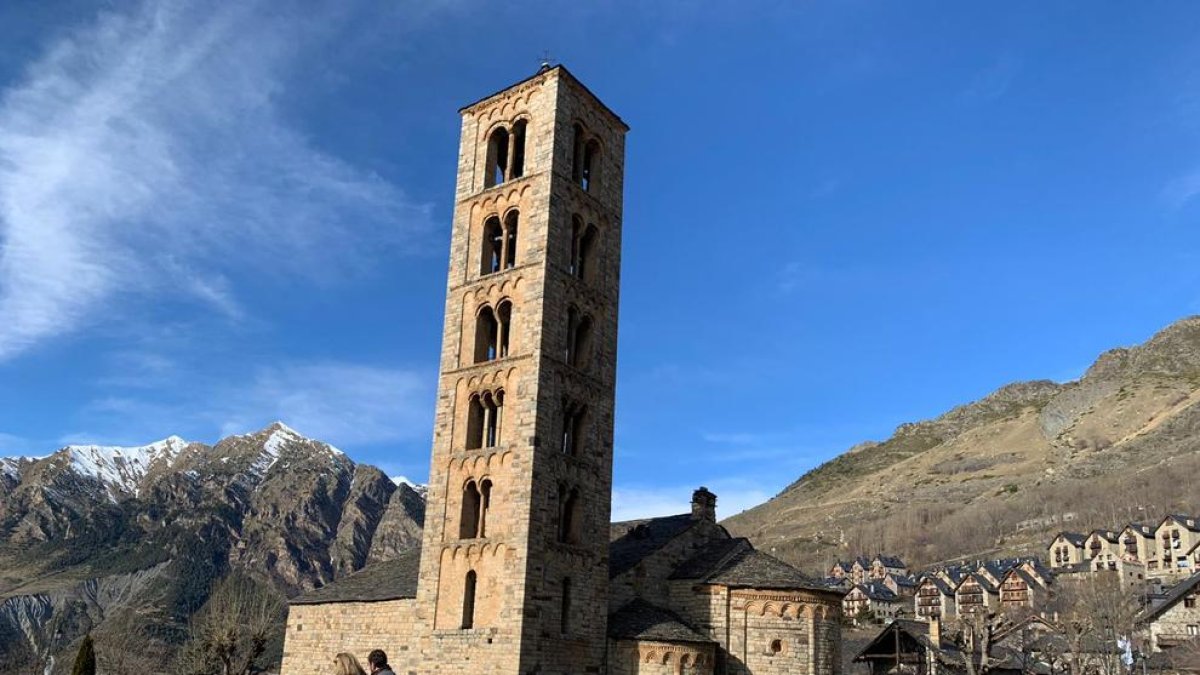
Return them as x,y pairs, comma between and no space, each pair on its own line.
348,665
378,660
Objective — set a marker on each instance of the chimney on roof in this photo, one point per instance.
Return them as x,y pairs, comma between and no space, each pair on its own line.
704,505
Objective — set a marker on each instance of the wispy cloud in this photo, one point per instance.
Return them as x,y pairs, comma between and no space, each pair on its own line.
144,154
1181,190
346,404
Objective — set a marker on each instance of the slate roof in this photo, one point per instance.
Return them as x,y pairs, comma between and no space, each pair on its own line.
904,581
1142,529
983,582
877,591
376,582
1073,538
735,562
1174,595
632,541
1183,521
1108,535
942,586
891,561
705,561
640,620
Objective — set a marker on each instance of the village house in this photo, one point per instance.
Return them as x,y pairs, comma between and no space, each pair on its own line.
1099,542
1177,535
902,586
1175,622
1137,543
520,570
934,598
976,593
1066,549
873,601
924,648
1022,590
862,569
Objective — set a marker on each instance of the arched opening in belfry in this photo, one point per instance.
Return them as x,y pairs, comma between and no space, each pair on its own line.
468,527
468,612
487,335
579,338
497,157
503,327
485,505
511,223
568,515
577,154
493,417
493,246
518,156
564,610
573,427
591,165
586,246
475,419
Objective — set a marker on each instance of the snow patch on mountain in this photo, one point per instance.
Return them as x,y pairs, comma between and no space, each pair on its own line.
419,488
9,467
121,469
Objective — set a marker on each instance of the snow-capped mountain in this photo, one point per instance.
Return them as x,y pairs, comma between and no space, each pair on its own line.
287,508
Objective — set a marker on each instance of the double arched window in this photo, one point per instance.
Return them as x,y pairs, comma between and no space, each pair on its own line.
570,512
585,159
505,154
492,328
583,249
477,499
499,243
485,418
574,426
579,338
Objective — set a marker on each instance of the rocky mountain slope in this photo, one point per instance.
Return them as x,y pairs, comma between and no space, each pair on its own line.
1000,474
91,536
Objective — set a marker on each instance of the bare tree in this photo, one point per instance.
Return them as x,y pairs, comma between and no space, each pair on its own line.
973,635
231,632
1096,613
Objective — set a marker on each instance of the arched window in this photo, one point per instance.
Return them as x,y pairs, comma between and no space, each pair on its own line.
564,611
492,329
485,420
591,165
568,515
583,247
487,335
573,427
493,413
577,154
511,221
493,246
497,157
485,501
579,338
504,327
518,158
475,416
468,615
468,526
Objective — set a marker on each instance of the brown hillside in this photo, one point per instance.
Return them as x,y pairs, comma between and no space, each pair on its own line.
1000,474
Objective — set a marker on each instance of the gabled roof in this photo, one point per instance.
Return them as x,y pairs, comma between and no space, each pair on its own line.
1182,520
1073,538
1141,529
877,591
1107,535
1028,578
639,620
632,541
390,580
890,561
942,586
1173,596
902,580
978,578
735,562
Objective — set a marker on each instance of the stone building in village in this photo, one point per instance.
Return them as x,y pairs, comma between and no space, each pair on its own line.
520,570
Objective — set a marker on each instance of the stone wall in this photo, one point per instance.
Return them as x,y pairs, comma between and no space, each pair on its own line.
317,633
1177,624
645,657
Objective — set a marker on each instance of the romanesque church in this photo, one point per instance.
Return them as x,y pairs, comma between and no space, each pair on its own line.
520,570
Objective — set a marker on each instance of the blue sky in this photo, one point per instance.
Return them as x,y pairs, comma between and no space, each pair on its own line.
840,215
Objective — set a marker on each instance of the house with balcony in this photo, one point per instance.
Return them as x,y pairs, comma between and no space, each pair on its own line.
1177,535
1022,591
976,593
1066,549
934,598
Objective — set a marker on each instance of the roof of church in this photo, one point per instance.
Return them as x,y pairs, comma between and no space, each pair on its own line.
376,582
735,562
640,620
632,541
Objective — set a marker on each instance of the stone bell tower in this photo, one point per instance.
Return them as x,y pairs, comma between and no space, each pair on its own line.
514,567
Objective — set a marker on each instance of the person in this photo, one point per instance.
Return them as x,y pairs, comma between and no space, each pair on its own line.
347,665
377,659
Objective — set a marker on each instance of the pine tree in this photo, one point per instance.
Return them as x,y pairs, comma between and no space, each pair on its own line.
85,660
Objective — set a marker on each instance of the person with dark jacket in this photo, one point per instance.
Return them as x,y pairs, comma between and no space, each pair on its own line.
377,659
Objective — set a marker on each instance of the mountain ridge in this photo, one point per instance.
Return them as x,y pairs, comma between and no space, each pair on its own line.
1009,457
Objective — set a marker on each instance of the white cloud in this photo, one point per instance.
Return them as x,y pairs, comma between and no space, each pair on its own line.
144,154
345,404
